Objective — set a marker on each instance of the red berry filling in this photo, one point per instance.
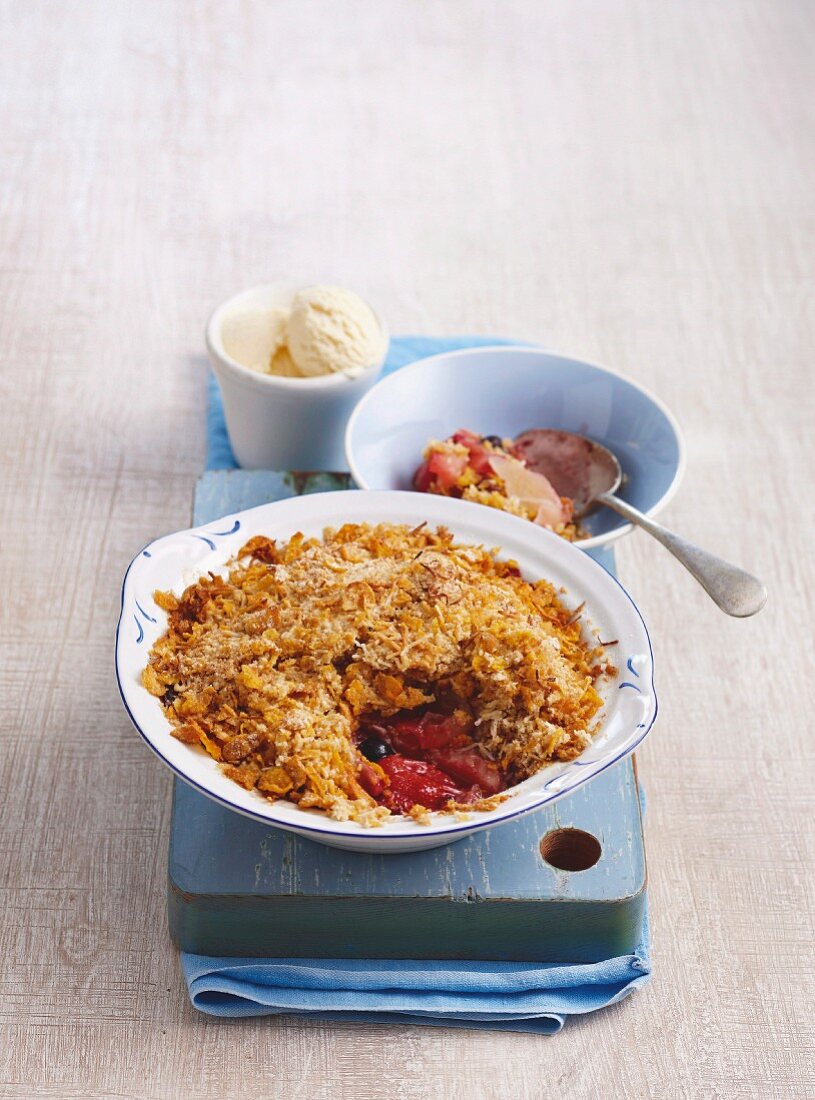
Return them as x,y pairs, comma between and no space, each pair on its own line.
440,473
427,760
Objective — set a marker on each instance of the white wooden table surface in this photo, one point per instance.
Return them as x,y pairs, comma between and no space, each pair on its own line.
628,180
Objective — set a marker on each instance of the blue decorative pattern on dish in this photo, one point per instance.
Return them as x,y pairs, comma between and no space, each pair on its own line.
628,684
141,609
210,535
236,526
569,767
631,668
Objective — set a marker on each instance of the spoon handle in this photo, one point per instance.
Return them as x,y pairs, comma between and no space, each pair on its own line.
734,591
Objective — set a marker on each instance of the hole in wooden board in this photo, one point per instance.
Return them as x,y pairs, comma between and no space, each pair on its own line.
570,849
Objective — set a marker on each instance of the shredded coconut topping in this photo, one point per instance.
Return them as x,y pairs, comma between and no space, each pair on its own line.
271,668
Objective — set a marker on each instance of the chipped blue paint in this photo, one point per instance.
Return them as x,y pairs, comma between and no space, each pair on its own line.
217,852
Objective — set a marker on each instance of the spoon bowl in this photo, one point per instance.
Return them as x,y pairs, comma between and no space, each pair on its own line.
578,467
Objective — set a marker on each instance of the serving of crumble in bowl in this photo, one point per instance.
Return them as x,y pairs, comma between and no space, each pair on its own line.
381,671
454,424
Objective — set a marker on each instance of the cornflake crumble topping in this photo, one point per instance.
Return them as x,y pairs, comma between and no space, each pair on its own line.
281,668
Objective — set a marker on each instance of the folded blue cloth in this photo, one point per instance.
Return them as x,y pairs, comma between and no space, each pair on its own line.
500,996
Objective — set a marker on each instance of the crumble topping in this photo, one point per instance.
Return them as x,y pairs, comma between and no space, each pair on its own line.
274,668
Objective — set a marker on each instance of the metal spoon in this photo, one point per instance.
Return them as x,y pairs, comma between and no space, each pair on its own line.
590,474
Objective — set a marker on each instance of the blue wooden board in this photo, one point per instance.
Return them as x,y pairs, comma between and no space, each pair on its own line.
238,887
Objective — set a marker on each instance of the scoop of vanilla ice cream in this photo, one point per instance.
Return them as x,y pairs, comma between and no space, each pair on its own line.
254,337
331,329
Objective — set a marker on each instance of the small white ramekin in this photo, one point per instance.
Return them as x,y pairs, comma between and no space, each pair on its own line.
284,423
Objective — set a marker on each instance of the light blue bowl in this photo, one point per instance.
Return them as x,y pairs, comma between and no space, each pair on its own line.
503,391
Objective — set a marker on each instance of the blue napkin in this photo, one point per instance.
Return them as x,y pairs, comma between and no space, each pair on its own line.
499,996
486,995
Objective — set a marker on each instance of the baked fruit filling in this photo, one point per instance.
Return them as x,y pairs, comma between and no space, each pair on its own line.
497,472
379,670
426,759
